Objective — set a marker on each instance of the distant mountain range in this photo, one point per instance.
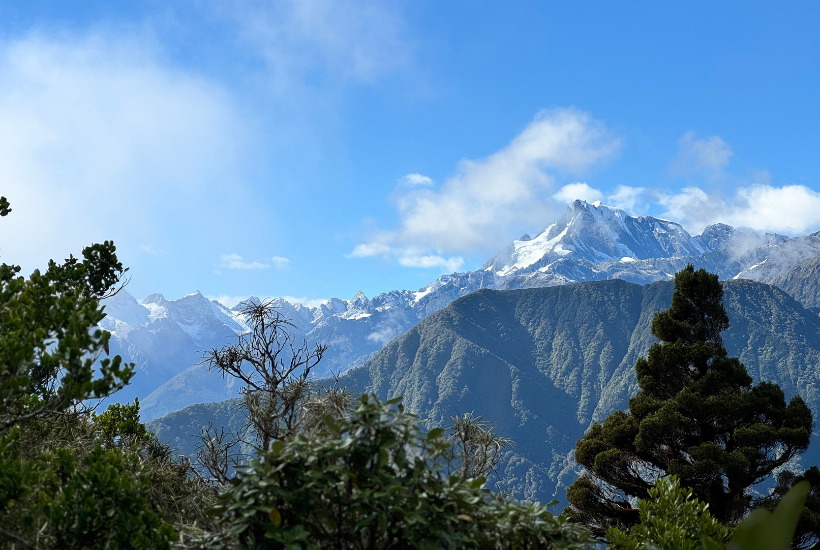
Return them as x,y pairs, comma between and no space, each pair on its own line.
590,242
543,364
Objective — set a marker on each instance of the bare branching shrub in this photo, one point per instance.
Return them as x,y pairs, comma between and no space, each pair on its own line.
274,371
335,402
214,454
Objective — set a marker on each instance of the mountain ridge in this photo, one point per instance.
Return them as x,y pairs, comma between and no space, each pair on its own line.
590,242
567,372
545,363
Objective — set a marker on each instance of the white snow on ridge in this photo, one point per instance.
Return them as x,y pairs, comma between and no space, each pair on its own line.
353,315
589,242
421,294
528,252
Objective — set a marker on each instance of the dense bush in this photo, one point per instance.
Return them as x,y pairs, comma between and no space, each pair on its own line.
373,480
76,482
671,518
70,478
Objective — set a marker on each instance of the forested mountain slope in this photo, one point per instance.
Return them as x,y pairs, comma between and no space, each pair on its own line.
590,242
544,363
802,281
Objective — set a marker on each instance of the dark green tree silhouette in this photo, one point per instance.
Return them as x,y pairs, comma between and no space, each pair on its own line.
68,478
696,416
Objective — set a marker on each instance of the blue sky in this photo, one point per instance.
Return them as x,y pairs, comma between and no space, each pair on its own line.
312,149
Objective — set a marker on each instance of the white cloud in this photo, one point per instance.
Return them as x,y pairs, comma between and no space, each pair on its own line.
365,250
101,140
148,249
574,191
358,40
478,206
415,179
235,261
707,156
448,265
631,199
791,209
384,334
280,262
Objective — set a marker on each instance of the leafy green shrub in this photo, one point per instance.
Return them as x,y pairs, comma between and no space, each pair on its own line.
373,480
67,498
121,422
101,505
807,534
671,519
69,478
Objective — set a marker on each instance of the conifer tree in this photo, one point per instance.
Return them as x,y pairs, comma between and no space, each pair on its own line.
696,416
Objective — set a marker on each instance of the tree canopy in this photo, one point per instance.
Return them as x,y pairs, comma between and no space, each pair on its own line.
70,478
697,415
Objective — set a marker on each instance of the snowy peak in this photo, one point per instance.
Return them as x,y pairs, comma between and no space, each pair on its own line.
250,300
123,307
155,298
737,241
197,316
596,233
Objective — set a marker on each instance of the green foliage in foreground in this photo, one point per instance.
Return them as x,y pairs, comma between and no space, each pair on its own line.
101,506
82,482
767,530
68,478
671,518
373,480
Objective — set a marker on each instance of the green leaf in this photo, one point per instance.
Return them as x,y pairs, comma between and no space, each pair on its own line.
275,517
765,530
435,433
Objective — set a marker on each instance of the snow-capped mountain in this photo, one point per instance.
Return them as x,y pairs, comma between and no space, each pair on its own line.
165,337
596,233
590,242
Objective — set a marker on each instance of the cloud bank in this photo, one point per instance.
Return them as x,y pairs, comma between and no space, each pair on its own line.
235,261
347,40
756,204
98,135
708,156
486,198
789,209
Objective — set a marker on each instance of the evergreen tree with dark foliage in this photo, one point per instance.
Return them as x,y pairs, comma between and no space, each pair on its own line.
696,416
